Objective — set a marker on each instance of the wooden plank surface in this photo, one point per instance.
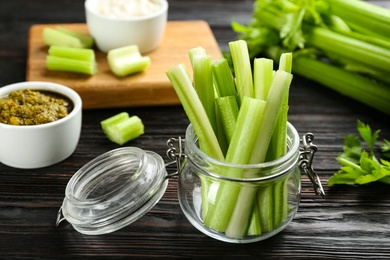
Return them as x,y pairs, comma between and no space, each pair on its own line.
105,90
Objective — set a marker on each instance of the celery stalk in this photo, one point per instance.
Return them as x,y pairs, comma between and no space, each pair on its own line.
193,107
71,65
87,41
122,128
64,37
279,90
363,16
344,82
72,53
228,110
263,73
203,83
365,53
223,78
222,206
127,60
242,68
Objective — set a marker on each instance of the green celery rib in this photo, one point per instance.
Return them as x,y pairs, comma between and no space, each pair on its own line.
262,74
359,51
122,128
57,37
344,82
242,68
195,51
193,107
223,78
72,53
279,90
71,65
228,110
127,60
87,41
203,83
372,19
241,145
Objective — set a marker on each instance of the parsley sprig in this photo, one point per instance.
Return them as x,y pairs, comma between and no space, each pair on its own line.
360,166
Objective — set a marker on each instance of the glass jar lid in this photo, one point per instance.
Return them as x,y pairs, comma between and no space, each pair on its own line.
114,190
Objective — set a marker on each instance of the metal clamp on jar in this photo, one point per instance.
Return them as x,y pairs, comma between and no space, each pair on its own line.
120,186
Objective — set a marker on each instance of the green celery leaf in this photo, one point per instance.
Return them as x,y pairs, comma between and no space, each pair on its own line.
346,175
352,148
367,135
385,148
377,174
368,164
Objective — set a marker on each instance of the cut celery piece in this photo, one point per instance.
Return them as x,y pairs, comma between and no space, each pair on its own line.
72,53
240,148
228,110
64,37
223,78
195,51
87,41
262,77
203,83
193,107
279,90
70,65
127,60
242,68
122,128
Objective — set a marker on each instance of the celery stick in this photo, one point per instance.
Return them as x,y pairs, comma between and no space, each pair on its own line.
263,74
240,148
193,107
279,90
121,128
242,68
87,41
223,78
265,200
71,65
280,206
254,228
127,60
60,37
228,110
194,51
203,83
72,53
344,82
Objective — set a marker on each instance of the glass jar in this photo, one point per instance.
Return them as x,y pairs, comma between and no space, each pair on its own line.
250,209
120,186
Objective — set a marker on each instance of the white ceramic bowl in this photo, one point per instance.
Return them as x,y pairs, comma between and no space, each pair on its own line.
36,146
145,31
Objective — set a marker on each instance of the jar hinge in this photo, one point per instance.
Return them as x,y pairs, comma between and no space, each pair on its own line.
306,155
175,153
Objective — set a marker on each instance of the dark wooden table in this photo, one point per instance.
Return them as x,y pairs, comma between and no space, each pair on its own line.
349,222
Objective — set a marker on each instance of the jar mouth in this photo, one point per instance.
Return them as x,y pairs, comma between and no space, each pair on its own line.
285,162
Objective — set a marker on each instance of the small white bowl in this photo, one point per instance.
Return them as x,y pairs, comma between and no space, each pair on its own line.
36,146
145,31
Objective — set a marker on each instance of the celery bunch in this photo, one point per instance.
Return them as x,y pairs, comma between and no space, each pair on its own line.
239,120
344,45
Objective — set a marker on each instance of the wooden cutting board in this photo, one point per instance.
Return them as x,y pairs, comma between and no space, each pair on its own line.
104,89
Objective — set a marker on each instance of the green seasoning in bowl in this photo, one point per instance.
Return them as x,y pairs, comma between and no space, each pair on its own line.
32,107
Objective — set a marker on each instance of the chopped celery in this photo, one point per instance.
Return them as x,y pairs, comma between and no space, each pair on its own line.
70,65
262,76
122,128
64,37
72,53
193,107
127,60
223,78
239,151
71,59
242,68
228,109
203,84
